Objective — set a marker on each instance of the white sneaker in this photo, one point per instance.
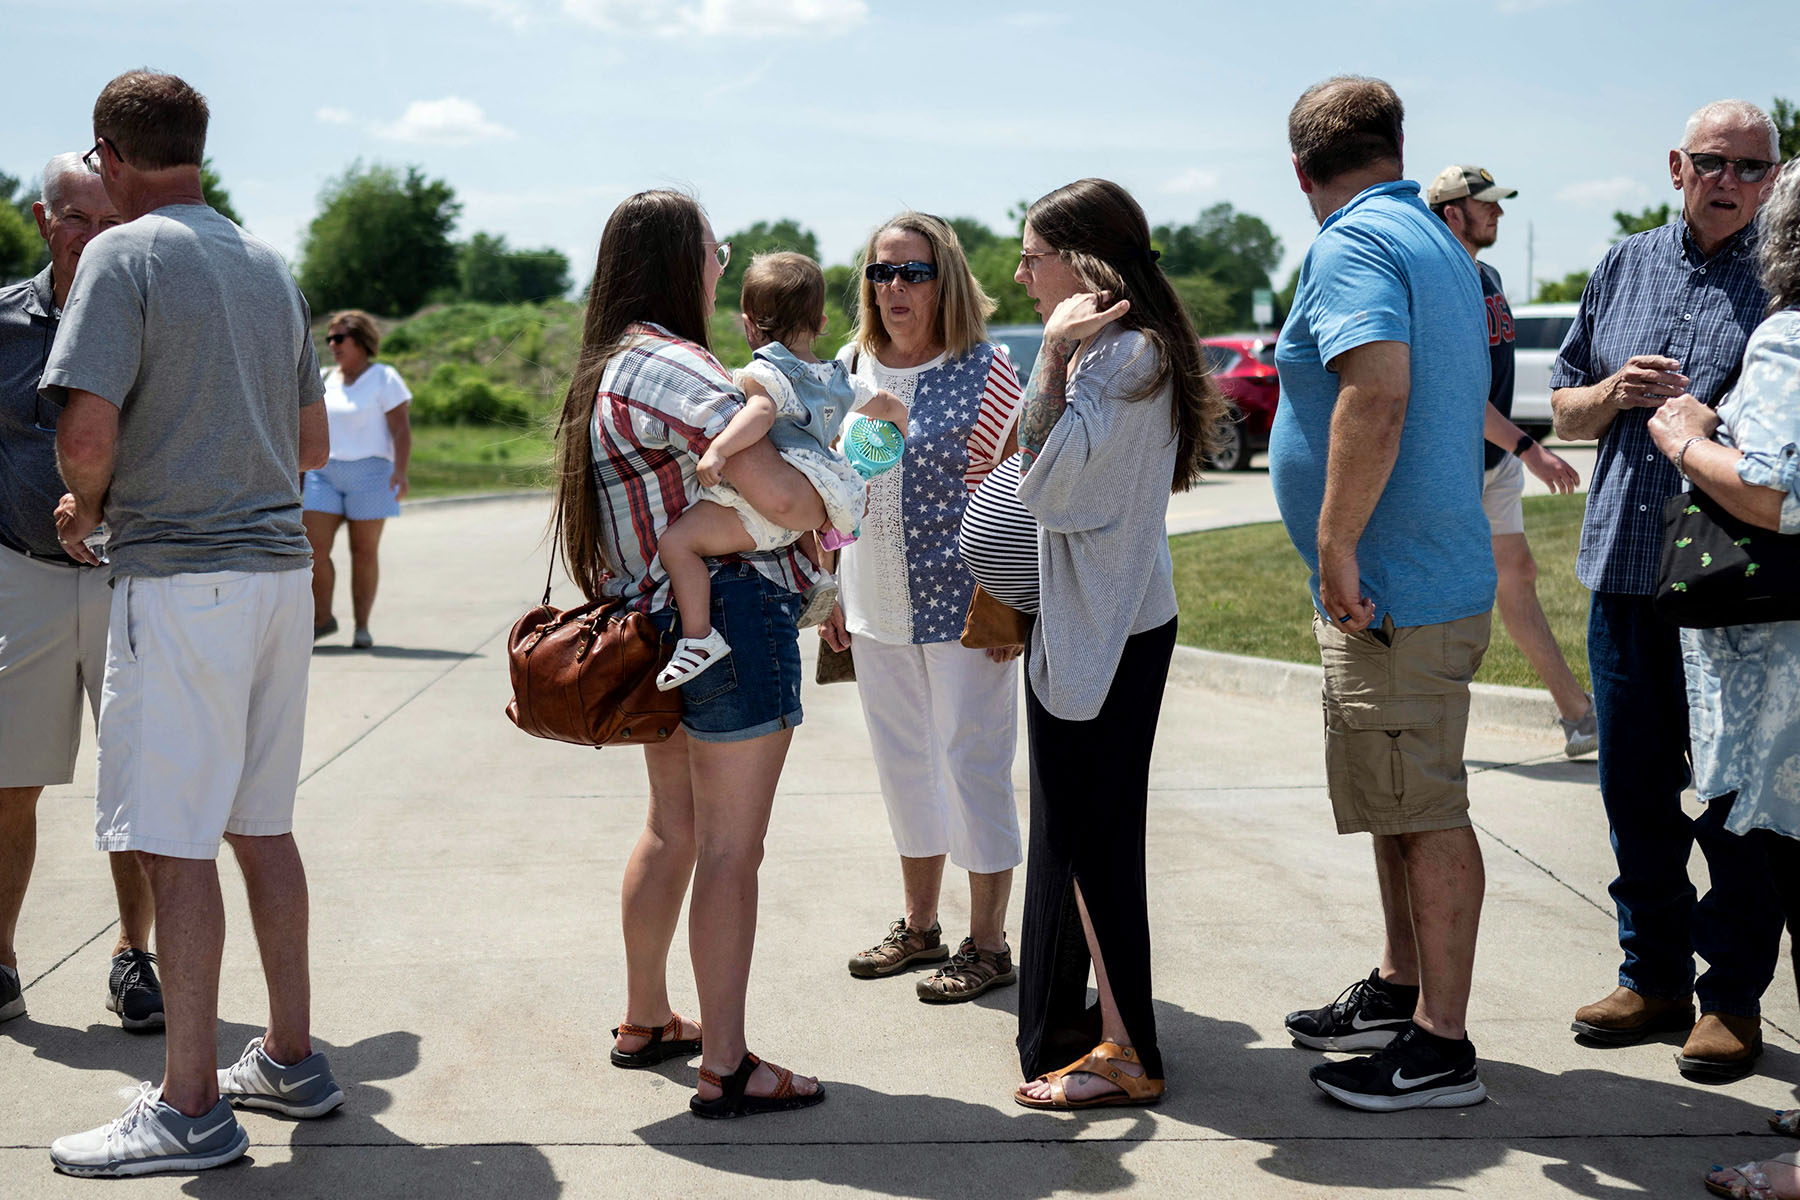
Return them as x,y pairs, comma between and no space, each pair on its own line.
305,1089
152,1137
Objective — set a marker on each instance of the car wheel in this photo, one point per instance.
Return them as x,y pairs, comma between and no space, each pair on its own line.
1234,453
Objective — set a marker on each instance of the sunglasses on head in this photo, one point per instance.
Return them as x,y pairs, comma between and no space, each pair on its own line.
910,272
1748,170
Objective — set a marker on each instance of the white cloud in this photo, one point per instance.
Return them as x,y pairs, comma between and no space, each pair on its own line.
451,121
1601,193
721,18
1191,182
335,116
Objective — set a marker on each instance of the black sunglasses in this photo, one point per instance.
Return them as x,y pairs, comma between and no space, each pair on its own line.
910,272
1748,170
332,339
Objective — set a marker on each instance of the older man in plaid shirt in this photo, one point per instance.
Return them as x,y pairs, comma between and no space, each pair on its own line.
1667,312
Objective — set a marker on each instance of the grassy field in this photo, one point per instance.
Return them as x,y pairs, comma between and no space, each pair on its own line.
1244,590
452,460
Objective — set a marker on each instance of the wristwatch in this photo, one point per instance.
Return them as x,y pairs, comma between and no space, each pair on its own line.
1525,443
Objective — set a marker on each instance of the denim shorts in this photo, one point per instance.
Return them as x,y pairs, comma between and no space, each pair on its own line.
360,489
754,690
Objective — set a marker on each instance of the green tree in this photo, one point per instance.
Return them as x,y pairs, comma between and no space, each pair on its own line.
22,251
491,273
381,241
993,258
761,238
1787,122
1208,302
1566,289
216,196
1233,249
1653,217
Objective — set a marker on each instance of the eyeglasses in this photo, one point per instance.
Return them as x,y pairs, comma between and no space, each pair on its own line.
332,339
1748,170
909,272
91,160
722,252
1028,259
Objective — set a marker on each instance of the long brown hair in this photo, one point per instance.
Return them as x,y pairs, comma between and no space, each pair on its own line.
1098,229
650,268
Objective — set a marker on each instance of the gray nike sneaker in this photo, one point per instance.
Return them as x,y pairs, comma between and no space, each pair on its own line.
1582,735
151,1137
305,1089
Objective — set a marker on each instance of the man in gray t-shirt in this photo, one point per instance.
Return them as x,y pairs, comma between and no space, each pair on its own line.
190,398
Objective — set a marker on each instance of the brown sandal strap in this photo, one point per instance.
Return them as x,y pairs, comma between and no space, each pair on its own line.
707,1076
784,1083
662,1033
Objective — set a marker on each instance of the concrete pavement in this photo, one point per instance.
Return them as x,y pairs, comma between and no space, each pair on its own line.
467,963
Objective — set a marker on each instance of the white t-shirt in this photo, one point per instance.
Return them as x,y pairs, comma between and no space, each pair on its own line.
358,413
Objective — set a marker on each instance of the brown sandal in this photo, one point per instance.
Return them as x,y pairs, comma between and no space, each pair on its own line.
734,1100
664,1044
1100,1061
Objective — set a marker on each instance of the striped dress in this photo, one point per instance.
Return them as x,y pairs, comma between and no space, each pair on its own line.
902,580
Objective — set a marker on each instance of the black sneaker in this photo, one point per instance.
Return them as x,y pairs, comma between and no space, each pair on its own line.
1365,1016
12,996
133,992
1409,1073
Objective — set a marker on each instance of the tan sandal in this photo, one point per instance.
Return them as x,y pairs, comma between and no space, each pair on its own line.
1101,1061
665,1042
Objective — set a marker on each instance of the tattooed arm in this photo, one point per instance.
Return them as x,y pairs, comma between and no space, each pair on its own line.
1075,319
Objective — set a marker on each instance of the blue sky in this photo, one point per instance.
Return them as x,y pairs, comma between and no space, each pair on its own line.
543,114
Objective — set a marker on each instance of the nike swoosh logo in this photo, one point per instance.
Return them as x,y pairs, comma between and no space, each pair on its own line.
286,1087
196,1136
1401,1081
1357,1022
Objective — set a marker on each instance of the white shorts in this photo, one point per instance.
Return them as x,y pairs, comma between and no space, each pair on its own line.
203,711
1502,492
52,648
943,721
839,486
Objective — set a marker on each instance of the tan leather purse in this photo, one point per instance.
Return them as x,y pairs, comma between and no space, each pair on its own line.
991,624
588,675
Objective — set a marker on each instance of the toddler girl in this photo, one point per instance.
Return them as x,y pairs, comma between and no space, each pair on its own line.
799,403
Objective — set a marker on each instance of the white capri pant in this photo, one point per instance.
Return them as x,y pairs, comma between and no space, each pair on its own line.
943,720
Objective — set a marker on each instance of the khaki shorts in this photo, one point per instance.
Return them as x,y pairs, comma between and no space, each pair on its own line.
1502,496
52,649
203,711
1396,718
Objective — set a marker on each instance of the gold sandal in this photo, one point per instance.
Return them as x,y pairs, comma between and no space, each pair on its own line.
1100,1061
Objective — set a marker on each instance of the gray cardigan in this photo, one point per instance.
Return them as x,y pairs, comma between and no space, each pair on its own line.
1100,492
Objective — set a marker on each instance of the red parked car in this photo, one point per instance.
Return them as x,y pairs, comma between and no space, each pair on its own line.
1243,365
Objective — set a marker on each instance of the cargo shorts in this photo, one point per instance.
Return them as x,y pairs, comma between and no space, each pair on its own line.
1396,702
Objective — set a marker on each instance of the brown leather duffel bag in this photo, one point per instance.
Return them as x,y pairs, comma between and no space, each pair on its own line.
588,675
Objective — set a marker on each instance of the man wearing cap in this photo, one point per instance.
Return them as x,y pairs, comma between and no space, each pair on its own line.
53,636
1668,312
1468,200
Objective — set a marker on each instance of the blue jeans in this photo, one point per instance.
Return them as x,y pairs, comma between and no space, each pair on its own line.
1640,701
754,690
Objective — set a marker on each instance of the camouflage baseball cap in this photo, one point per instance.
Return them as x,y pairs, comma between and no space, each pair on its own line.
1453,183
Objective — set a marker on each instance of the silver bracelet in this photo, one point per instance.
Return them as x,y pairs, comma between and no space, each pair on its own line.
1681,454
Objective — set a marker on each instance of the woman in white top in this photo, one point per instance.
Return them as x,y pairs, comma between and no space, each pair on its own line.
366,405
942,717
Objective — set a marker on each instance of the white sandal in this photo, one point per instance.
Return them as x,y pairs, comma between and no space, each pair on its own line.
692,656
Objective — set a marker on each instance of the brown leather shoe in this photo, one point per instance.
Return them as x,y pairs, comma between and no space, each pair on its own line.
1722,1046
1627,1016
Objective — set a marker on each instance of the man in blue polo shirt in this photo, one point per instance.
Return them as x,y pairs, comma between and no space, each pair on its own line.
1667,312
1376,460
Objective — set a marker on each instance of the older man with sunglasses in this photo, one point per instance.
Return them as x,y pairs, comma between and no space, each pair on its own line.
1667,312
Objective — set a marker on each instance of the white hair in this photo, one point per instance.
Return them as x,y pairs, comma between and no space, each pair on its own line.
1780,248
1741,111
55,172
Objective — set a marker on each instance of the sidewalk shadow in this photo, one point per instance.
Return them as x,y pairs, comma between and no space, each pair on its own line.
1544,770
350,1153
412,652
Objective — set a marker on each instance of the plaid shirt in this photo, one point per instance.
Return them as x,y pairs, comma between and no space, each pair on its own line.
661,402
1653,293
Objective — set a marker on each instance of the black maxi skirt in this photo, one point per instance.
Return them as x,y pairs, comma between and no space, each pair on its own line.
1090,783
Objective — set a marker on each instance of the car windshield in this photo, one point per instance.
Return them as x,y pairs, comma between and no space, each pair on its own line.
1022,347
1540,333
1219,360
